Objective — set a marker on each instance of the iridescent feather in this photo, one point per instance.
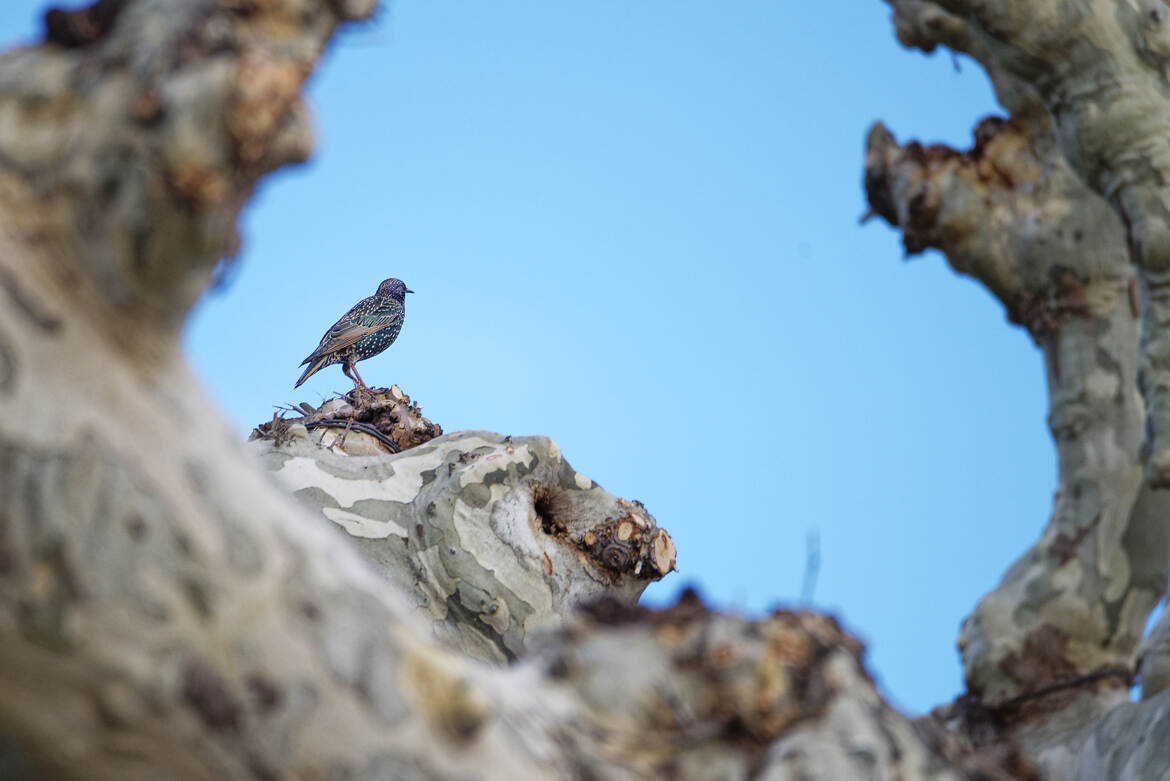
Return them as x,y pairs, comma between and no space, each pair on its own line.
367,329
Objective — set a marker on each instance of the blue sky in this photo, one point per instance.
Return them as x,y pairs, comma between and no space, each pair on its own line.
633,227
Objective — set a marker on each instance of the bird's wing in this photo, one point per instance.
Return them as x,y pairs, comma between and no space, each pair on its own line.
343,334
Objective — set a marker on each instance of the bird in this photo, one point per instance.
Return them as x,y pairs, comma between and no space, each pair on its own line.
367,329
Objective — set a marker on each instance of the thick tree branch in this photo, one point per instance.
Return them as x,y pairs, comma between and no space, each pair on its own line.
168,609
494,538
922,24
141,141
1052,649
1100,69
1011,214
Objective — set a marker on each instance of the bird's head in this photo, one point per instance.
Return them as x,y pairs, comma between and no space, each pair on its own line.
394,288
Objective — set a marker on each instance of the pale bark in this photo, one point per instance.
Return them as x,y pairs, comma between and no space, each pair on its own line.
1049,654
1099,67
493,538
1012,215
167,609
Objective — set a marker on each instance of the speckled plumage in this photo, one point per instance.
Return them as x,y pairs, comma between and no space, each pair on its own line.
367,329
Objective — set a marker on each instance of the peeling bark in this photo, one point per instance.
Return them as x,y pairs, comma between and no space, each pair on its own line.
1049,654
1099,68
1012,215
168,609
493,538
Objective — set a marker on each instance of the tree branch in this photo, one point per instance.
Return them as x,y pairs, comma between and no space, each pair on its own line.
493,538
166,608
1011,214
1099,67
1051,651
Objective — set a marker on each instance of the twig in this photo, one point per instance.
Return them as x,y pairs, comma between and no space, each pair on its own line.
1124,674
812,565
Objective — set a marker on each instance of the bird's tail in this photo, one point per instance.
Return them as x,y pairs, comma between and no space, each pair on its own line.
314,367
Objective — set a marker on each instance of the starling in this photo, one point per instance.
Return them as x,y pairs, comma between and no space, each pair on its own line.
362,332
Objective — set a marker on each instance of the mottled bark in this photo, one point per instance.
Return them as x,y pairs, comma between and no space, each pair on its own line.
1099,67
702,695
169,609
1012,215
493,538
1049,654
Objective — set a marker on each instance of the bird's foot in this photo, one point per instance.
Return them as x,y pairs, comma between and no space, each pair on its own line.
361,394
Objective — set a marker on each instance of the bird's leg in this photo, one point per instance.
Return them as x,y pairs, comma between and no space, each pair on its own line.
358,377
351,372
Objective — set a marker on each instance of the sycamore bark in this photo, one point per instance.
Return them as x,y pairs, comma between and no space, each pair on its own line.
354,596
170,608
1054,211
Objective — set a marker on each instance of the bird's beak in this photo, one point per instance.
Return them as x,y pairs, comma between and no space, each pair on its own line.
408,290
